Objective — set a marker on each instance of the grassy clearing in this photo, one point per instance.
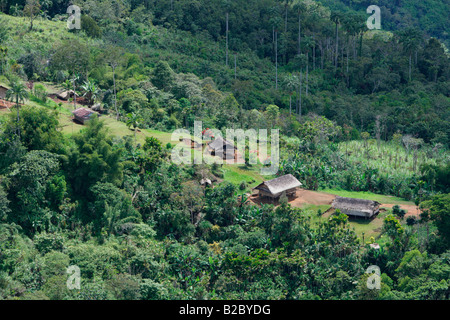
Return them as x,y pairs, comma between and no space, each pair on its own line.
368,196
370,227
236,174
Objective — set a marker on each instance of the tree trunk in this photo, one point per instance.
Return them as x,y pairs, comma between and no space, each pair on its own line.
299,50
285,18
290,104
227,41
307,72
410,58
115,94
337,47
314,51
276,60
74,97
300,97
235,66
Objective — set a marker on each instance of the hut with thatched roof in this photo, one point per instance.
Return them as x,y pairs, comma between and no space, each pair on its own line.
274,188
356,207
3,91
222,148
82,114
65,95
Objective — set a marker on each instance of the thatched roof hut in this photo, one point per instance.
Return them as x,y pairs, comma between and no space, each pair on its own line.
274,188
82,114
205,182
3,90
356,207
222,148
65,95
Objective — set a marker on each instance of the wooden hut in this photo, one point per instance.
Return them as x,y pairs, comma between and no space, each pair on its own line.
65,95
82,114
192,143
356,207
3,90
222,148
205,182
273,189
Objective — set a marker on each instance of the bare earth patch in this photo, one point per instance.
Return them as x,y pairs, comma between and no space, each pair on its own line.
318,198
410,209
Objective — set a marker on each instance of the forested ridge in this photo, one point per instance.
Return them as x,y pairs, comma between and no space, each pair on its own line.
359,111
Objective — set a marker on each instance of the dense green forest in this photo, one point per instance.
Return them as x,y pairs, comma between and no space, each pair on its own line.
361,111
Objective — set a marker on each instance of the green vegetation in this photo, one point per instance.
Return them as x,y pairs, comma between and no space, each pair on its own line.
368,196
362,114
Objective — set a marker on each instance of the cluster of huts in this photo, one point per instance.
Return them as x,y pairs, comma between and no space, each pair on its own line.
273,190
81,114
288,185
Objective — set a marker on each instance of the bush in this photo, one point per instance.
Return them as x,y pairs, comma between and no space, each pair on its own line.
410,221
40,92
90,26
46,242
151,290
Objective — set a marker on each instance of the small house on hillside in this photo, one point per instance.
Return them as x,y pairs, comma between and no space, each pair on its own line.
222,148
205,182
82,114
3,90
356,207
192,143
65,95
274,188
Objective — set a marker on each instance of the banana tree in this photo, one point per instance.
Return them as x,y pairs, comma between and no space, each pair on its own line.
91,91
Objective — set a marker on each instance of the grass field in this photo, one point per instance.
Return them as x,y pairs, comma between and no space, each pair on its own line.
370,227
368,196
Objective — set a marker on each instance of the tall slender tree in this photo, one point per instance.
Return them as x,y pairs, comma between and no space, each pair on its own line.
31,9
336,17
410,39
290,83
17,92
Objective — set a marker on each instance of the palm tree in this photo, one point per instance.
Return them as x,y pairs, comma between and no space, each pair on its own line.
290,82
275,20
18,92
133,120
410,38
73,80
300,7
336,17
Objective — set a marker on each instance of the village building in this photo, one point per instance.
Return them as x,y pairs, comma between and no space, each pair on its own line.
65,95
222,148
82,114
356,207
275,188
3,90
192,143
205,182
